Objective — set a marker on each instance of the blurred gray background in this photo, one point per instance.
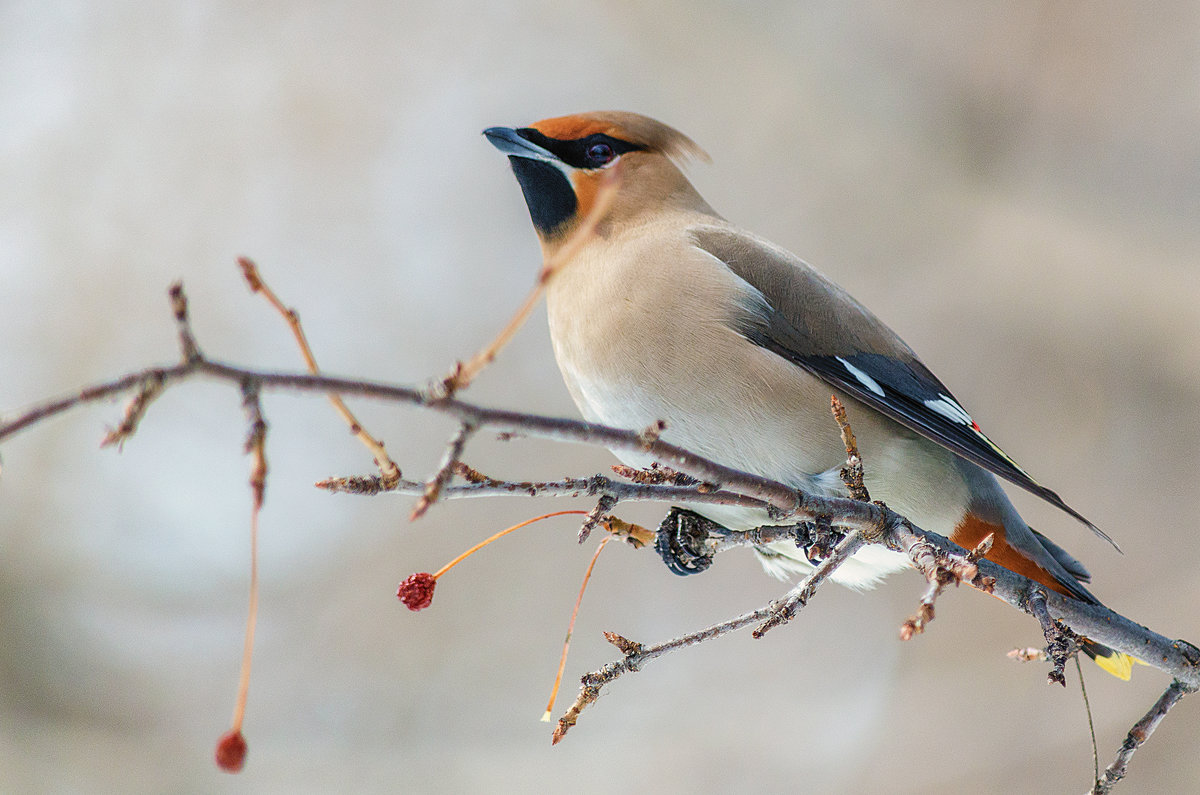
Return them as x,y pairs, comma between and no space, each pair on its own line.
1015,187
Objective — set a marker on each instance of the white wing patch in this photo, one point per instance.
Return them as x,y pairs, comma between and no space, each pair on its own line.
862,378
949,408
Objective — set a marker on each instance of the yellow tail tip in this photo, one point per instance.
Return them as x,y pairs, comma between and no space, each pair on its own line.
1118,664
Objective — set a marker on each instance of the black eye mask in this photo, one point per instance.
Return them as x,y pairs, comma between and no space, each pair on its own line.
580,152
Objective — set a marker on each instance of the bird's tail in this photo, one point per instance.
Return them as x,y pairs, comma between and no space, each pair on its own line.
1114,662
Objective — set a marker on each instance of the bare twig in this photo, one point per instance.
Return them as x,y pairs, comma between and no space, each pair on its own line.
592,486
759,536
433,487
472,475
783,499
915,624
1095,622
606,503
852,476
942,569
625,645
1140,732
786,608
1028,654
389,472
255,441
183,324
152,387
656,474
464,373
637,654
1061,642
852,473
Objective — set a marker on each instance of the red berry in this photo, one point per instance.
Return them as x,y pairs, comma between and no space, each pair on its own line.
416,592
231,751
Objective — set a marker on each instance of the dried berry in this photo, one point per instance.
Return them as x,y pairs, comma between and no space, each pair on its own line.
416,592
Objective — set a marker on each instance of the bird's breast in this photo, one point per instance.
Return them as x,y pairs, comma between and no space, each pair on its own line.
644,329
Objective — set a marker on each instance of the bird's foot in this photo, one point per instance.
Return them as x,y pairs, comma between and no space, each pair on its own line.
817,539
680,541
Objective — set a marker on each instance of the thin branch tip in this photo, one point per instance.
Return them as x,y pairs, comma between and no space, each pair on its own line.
256,439
152,386
189,349
445,471
605,504
1139,734
250,273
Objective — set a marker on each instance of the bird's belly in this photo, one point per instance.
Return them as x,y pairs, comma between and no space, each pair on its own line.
746,433
734,426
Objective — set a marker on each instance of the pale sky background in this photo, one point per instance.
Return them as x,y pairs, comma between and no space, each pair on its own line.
1014,187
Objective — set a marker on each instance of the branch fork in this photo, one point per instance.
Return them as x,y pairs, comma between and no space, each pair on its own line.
1061,642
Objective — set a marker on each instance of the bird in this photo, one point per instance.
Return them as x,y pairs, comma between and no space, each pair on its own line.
669,314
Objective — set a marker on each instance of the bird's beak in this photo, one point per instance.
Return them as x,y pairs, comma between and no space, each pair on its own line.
510,142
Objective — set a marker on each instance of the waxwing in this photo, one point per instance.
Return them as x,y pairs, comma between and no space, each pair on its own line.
670,313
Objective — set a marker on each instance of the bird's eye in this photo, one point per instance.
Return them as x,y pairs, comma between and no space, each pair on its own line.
599,155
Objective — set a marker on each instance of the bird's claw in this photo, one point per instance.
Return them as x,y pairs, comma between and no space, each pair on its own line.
680,541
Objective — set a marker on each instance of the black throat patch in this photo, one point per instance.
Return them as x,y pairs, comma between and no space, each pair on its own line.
548,194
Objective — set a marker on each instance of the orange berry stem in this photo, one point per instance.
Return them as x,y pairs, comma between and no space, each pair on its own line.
562,662
501,534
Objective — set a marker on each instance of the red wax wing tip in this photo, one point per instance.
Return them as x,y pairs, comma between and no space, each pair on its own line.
231,751
416,592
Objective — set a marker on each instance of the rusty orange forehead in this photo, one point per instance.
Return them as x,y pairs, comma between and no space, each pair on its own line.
579,125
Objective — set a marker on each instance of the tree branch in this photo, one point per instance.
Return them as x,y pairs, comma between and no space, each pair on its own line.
389,472
692,479
740,488
1140,732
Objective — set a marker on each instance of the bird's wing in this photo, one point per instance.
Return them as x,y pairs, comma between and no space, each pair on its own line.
815,324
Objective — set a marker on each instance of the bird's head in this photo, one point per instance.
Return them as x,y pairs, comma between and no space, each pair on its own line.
561,162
